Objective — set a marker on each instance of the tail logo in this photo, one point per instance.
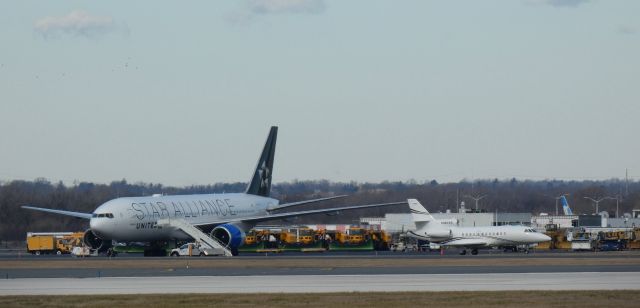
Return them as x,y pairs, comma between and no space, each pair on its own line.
264,175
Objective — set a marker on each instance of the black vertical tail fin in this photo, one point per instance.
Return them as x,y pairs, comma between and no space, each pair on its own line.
260,183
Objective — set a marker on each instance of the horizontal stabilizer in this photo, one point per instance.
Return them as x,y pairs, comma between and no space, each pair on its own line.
61,212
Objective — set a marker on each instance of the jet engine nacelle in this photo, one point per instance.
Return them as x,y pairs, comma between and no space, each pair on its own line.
229,235
439,234
94,242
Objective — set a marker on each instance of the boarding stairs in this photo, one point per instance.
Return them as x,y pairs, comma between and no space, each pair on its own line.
197,235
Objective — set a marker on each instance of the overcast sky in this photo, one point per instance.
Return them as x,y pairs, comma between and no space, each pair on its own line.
184,93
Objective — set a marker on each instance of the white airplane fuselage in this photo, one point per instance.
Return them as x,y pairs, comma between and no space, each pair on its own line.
445,233
469,236
135,218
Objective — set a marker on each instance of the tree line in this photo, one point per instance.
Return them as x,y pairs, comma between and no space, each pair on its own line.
500,195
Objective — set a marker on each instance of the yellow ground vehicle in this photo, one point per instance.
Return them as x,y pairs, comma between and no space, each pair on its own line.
381,240
53,242
303,236
352,236
251,237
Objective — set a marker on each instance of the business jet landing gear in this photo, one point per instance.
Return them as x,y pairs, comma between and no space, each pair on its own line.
463,252
474,252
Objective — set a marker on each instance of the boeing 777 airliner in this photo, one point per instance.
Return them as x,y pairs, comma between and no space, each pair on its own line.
225,217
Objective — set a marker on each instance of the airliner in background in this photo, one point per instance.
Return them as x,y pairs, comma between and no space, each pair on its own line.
219,220
445,233
565,206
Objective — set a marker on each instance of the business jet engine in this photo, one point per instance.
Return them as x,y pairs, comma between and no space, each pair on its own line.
230,236
90,239
439,233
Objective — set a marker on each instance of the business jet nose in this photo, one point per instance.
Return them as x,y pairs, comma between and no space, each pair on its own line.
544,238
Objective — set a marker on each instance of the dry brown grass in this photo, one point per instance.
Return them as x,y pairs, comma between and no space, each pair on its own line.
315,262
370,300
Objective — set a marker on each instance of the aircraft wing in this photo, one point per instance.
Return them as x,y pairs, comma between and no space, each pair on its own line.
290,204
256,219
61,212
465,242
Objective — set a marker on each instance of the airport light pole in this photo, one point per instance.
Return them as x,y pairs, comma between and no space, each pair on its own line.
476,199
598,201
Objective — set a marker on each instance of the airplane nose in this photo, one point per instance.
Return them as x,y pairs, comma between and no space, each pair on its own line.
545,238
97,227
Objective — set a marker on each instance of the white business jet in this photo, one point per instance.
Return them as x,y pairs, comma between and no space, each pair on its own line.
446,234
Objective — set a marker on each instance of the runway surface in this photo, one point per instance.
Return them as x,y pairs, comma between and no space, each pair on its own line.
322,283
341,264
284,271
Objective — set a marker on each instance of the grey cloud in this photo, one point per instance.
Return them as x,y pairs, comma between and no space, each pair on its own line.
77,23
560,3
567,2
286,6
627,30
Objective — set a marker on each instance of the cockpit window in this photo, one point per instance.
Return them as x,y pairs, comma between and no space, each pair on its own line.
107,215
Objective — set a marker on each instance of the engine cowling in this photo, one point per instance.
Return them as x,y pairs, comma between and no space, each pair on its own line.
90,239
439,234
229,235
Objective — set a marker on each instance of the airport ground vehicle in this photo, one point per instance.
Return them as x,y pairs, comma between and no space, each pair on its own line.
53,242
194,249
611,245
352,236
299,236
402,246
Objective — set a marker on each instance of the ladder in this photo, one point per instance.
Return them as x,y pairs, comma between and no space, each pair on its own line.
196,234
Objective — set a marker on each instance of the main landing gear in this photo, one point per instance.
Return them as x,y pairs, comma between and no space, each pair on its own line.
473,252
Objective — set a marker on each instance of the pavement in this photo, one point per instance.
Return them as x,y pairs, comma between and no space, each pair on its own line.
342,272
322,283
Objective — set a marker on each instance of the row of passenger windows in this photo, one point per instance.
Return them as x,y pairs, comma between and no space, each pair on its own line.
108,215
484,234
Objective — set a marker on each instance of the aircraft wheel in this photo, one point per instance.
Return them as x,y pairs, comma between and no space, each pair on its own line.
474,252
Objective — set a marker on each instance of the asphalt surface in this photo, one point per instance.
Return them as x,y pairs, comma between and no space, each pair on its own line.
322,283
274,271
321,264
